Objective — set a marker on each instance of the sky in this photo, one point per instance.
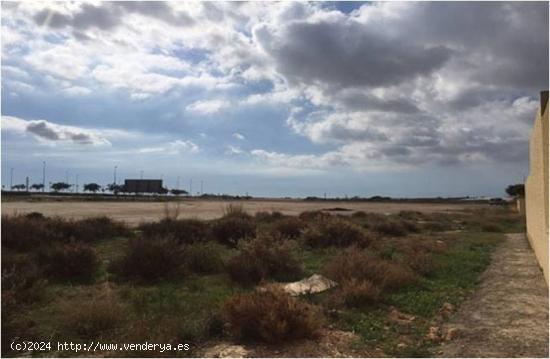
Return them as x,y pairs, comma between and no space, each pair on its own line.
402,99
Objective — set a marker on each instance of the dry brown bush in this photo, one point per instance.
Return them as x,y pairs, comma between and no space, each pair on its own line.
264,258
358,293
272,316
290,227
93,318
336,232
234,226
149,259
183,230
358,264
205,258
74,261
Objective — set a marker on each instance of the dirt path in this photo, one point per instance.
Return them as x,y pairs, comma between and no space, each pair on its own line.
136,212
507,316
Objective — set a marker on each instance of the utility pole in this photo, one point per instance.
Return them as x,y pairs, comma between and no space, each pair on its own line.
27,183
67,176
43,176
11,178
178,183
141,174
114,175
191,187
201,187
77,183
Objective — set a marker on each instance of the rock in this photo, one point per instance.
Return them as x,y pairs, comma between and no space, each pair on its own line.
401,345
314,284
399,317
451,334
226,350
448,307
433,334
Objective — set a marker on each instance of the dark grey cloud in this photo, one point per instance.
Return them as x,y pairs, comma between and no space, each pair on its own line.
50,132
357,100
347,54
41,129
506,41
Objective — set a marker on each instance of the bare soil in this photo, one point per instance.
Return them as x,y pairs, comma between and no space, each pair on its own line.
507,315
135,212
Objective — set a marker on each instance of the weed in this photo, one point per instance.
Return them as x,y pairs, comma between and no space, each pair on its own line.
149,259
74,261
290,227
271,316
205,258
335,232
264,258
184,230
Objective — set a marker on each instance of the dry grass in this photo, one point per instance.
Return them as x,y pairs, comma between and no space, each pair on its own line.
272,316
357,293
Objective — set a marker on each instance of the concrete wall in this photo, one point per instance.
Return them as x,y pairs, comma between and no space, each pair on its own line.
536,187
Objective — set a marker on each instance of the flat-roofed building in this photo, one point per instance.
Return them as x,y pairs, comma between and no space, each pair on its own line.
143,185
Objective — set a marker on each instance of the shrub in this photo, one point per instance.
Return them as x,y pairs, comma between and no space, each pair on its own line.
22,281
94,228
268,217
420,262
314,216
359,214
204,258
358,264
264,258
75,261
358,293
411,215
149,259
335,232
29,232
491,227
233,227
92,318
391,228
290,227
271,316
184,230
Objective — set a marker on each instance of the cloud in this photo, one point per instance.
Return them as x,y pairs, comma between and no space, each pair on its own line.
208,107
338,51
172,148
233,150
238,136
51,132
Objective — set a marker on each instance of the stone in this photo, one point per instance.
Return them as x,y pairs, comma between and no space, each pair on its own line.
433,334
451,334
226,350
314,284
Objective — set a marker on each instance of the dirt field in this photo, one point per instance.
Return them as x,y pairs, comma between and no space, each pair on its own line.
136,212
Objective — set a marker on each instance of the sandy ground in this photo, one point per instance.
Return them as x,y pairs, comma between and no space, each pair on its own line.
507,316
136,212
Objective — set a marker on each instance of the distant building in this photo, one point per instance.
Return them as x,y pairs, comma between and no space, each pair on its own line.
143,185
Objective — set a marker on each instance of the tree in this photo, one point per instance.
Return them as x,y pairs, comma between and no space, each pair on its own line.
92,187
116,188
37,186
60,186
163,190
178,192
18,187
516,190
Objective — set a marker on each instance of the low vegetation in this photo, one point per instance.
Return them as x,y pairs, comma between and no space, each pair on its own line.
272,316
191,281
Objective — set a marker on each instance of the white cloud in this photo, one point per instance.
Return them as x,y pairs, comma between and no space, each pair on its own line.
238,136
172,148
208,107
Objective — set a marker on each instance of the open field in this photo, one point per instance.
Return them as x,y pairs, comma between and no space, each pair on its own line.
134,213
198,281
